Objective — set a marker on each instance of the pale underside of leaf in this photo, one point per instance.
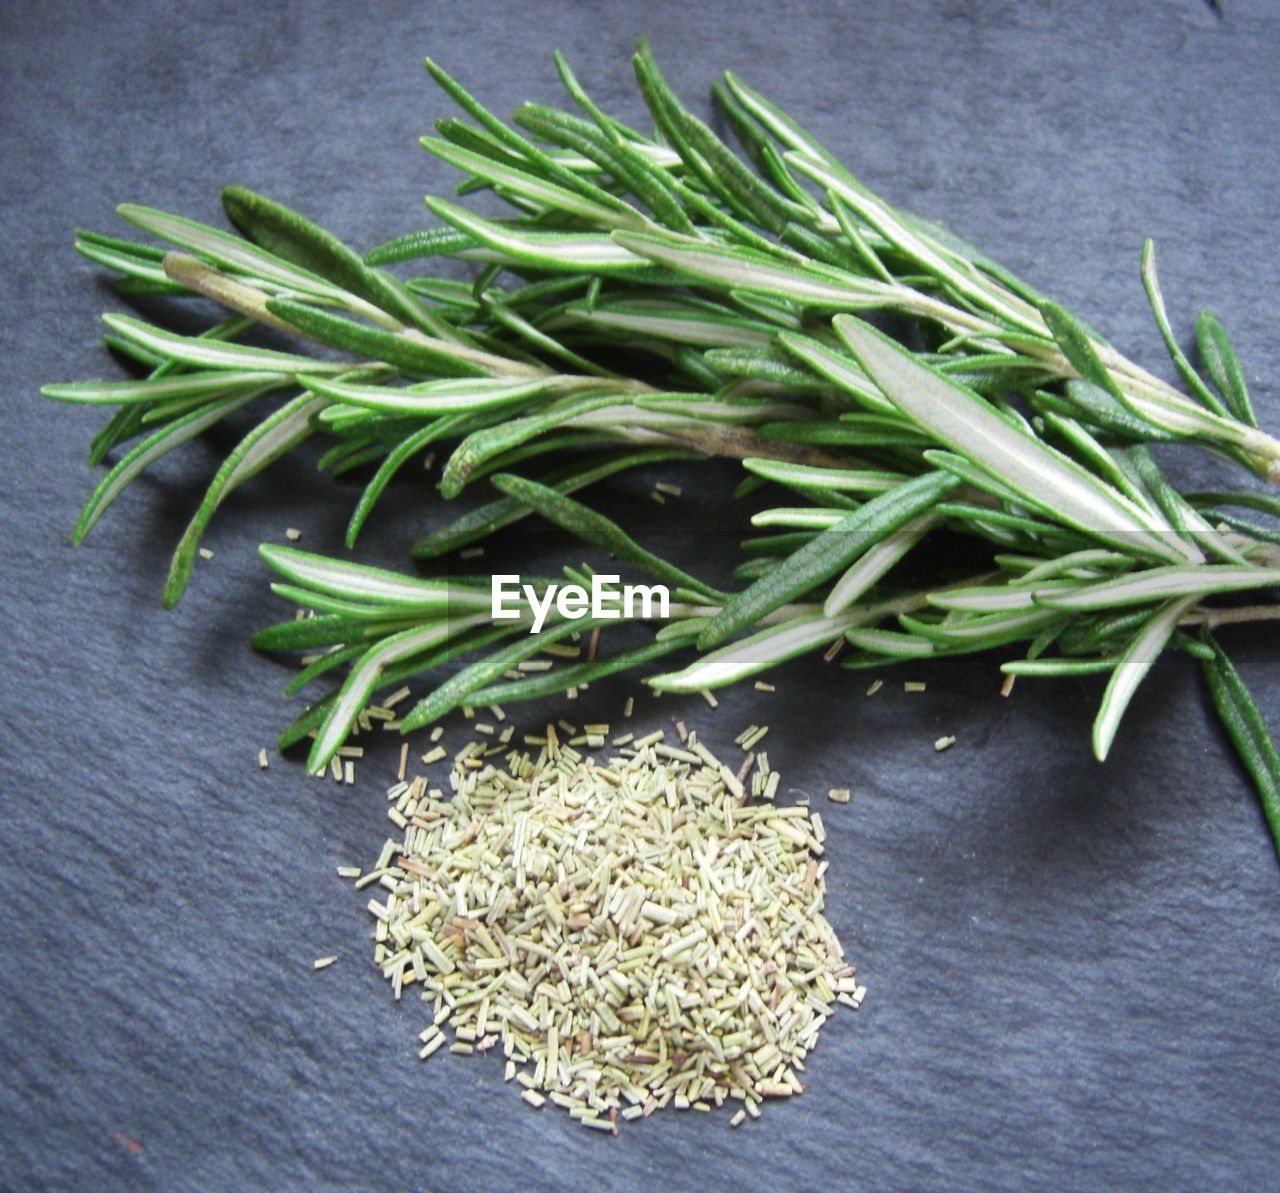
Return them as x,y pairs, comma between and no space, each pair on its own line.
972,427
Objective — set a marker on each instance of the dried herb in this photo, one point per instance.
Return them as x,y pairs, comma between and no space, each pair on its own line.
632,933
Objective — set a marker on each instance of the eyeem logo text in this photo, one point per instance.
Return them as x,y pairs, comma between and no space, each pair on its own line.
510,600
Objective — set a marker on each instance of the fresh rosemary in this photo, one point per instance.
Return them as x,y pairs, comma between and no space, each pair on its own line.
747,280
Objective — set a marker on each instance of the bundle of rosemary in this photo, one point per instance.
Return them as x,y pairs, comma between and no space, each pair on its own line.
632,933
745,282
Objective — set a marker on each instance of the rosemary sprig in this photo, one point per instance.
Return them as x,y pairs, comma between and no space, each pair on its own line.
747,284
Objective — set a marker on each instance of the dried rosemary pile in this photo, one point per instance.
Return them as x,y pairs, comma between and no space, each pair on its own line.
633,934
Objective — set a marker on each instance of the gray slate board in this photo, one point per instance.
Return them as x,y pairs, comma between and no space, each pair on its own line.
1073,971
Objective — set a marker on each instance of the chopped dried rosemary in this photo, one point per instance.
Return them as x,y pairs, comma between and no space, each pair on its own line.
632,933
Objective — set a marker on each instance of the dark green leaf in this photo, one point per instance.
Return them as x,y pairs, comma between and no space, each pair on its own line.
1248,732
1223,366
827,554
596,529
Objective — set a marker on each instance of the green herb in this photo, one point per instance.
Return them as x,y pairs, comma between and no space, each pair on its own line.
740,289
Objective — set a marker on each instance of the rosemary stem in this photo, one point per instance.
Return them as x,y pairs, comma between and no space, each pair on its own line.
1212,618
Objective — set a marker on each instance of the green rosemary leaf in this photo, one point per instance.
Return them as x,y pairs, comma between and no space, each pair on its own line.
1264,534
775,544
534,687
870,567
480,142
1162,583
328,629
857,238
804,517
1264,503
745,269
614,129
616,158
1184,518
395,459
674,320
827,554
842,371
174,434
268,441
414,353
1151,283
458,297
540,341
120,428
215,354
365,675
571,439
1077,565
973,474
321,602
127,422
574,251
763,364
1102,410
206,385
595,528
1132,668
530,186
713,408
996,598
137,353
1218,355
753,569
844,480
971,426
985,631
907,240
484,671
378,586
1106,464
484,445
778,123
143,271
337,657
757,653
828,434
231,252
890,642
486,519
1078,347
1055,667
1248,732
754,141
525,148
714,162
993,374
142,252
285,233
430,242
431,398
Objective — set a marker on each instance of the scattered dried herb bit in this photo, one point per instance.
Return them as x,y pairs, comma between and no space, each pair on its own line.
631,934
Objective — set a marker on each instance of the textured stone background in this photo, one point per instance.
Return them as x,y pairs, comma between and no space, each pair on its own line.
1073,970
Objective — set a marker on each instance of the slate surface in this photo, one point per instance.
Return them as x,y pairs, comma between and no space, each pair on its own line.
1073,970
